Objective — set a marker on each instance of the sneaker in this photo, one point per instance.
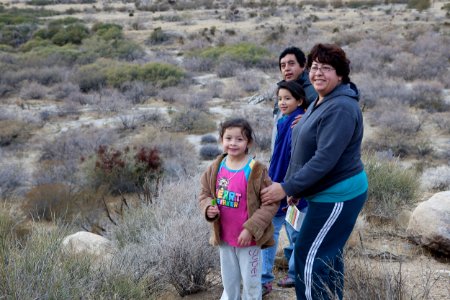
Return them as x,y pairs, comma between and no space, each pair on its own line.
266,288
286,282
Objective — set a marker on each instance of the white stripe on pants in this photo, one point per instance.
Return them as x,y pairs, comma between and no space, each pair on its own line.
237,263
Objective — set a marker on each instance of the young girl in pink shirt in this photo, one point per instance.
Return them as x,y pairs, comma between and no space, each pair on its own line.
230,201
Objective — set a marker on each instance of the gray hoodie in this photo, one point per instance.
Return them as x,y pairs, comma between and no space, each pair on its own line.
326,143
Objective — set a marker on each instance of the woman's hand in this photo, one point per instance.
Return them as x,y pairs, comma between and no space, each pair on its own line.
273,193
212,211
245,238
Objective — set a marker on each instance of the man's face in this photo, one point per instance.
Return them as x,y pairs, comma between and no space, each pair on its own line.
290,68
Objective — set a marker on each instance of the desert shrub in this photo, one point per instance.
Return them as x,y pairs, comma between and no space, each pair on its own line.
12,177
199,100
245,53
12,131
94,76
208,152
436,179
149,240
16,35
158,36
442,121
398,130
368,279
63,90
227,68
215,87
48,201
191,121
97,47
248,82
36,267
429,96
123,171
198,64
208,139
90,77
262,119
109,100
73,34
33,91
108,31
137,92
391,186
419,4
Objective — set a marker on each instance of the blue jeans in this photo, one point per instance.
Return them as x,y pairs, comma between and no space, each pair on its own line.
268,254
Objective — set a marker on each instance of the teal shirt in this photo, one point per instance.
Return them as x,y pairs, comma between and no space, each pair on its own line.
342,191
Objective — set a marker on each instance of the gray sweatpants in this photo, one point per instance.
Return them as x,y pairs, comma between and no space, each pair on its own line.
240,263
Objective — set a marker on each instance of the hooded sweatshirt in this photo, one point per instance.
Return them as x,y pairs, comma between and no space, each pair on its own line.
326,143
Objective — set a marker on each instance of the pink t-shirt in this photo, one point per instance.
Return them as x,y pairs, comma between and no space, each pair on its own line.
231,191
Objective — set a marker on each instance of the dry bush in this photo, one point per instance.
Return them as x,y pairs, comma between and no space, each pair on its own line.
398,130
12,177
49,201
429,96
199,100
436,179
368,279
110,100
442,121
198,64
171,95
179,157
13,132
262,122
63,90
33,91
149,238
227,68
208,152
191,121
248,81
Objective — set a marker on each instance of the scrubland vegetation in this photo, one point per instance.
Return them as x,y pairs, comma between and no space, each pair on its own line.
98,99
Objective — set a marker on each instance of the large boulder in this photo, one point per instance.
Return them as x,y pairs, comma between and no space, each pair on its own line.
430,223
84,242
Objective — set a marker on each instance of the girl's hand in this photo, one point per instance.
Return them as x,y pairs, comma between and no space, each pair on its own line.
212,211
245,238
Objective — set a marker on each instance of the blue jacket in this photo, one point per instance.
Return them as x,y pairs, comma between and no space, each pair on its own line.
282,153
326,143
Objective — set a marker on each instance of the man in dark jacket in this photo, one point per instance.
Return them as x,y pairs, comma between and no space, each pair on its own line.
292,63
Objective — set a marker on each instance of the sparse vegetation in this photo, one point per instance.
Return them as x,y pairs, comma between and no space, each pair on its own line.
156,72
392,187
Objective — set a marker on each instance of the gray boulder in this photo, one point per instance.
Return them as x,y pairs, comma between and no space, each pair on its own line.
429,224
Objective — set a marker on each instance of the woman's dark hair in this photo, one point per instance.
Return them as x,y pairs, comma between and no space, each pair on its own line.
296,91
241,123
299,55
333,55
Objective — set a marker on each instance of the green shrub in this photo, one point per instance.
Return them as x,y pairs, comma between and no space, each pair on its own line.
158,36
391,186
73,34
419,4
90,77
108,31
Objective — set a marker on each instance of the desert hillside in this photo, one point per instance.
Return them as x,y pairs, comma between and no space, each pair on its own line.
110,108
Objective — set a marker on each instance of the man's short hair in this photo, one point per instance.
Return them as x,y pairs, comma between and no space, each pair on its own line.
299,55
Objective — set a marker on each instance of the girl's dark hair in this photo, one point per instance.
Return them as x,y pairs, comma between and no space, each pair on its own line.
241,123
333,55
296,91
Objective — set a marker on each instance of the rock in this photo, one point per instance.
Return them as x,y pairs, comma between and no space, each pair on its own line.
429,224
84,242
255,99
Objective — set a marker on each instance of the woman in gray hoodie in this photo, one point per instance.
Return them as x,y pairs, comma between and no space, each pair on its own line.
327,170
